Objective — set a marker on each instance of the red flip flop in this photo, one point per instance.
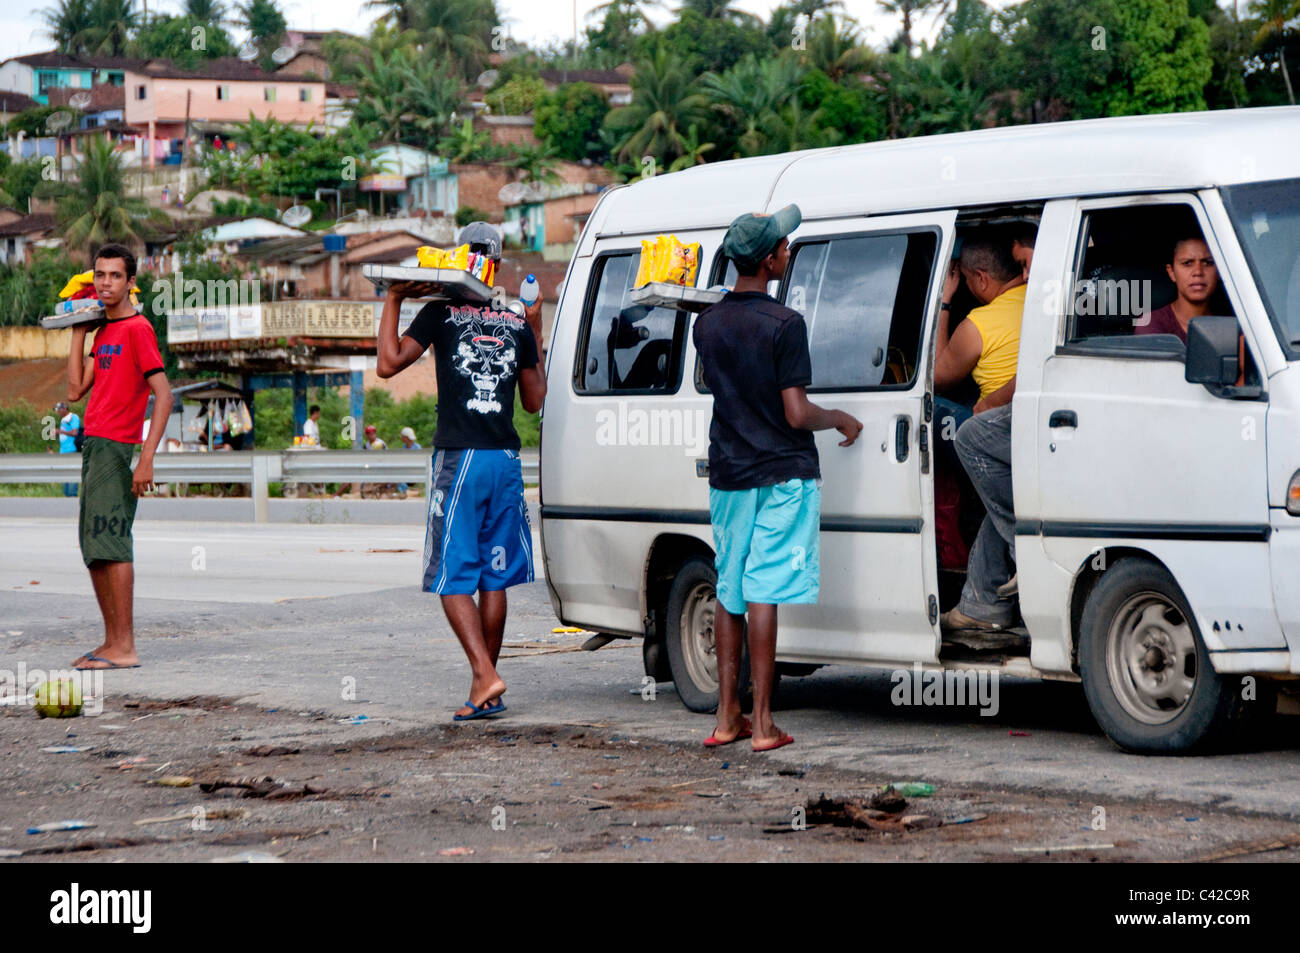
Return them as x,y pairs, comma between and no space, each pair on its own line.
779,743
746,731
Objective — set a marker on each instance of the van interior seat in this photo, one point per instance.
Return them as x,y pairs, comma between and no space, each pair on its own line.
1145,289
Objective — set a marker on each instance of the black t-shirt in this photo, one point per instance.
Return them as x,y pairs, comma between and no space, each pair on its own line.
478,353
751,348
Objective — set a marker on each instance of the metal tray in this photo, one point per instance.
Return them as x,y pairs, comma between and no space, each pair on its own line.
67,319
661,294
452,283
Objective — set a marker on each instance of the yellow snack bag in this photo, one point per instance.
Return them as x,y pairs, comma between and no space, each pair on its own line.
457,258
663,257
428,257
682,263
489,272
646,268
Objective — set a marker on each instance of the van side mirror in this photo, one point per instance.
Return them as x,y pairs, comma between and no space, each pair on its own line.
1212,352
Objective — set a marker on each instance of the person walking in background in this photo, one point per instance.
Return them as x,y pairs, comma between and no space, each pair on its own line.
124,366
69,426
764,473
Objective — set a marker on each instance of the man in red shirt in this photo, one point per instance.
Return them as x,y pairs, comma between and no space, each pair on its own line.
124,367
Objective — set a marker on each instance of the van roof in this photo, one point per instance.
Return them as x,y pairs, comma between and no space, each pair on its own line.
987,167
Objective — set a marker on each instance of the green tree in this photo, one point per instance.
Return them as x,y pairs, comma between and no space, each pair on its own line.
663,106
1275,17
30,292
169,37
571,118
459,30
622,22
909,10
110,26
517,96
206,11
19,181
1163,60
265,23
96,207
704,44
722,10
66,24
535,165
463,144
692,151
751,95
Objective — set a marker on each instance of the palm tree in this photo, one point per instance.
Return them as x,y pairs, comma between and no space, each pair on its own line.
463,144
535,165
461,29
434,95
264,21
837,51
110,26
382,86
751,93
212,12
66,24
96,207
719,10
1275,15
663,104
692,151
910,10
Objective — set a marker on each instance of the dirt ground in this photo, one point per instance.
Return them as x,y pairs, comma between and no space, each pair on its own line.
302,786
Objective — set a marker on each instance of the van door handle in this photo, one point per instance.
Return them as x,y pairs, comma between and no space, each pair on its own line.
902,438
1063,418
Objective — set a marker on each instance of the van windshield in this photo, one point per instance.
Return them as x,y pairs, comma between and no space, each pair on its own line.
1266,216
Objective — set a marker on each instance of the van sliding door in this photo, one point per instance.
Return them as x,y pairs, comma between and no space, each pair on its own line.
868,289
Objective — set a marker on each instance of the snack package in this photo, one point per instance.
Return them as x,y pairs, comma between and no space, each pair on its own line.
683,261
457,258
645,270
429,257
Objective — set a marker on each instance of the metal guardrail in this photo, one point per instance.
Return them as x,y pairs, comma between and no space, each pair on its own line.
259,468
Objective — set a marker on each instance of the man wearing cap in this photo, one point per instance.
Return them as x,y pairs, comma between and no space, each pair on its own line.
479,539
764,474
69,424
408,443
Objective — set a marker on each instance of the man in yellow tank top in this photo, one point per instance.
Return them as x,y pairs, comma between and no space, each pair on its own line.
986,346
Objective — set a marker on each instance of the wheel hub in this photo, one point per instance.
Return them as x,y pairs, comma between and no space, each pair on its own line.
1151,658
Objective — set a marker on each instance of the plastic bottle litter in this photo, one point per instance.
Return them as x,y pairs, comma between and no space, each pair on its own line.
912,788
59,826
528,291
66,749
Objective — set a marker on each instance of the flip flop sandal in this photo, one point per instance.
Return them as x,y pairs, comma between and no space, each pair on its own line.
99,668
746,731
772,746
480,711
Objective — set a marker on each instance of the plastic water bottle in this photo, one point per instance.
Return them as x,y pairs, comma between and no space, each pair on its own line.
528,291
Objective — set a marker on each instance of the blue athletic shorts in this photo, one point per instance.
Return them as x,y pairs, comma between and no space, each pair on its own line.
478,537
766,540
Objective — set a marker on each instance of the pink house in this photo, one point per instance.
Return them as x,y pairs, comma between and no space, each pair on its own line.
160,96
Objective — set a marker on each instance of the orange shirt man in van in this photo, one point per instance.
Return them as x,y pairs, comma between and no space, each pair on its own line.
124,367
986,346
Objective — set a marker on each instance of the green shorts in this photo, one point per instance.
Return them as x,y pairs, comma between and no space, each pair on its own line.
107,503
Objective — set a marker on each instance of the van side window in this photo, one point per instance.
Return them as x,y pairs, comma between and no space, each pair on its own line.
628,347
1121,277
863,299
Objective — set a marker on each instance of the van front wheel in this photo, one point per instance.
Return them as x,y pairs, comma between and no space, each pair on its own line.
1145,670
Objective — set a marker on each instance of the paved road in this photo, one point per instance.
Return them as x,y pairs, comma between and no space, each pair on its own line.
291,616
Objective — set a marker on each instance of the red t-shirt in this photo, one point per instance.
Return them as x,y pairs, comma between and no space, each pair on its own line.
126,354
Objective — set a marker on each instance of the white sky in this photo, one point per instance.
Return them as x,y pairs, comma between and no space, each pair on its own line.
536,22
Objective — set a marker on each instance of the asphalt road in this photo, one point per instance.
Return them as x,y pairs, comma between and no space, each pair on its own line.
314,617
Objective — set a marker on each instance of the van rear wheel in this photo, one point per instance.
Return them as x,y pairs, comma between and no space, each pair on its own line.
689,637
1145,670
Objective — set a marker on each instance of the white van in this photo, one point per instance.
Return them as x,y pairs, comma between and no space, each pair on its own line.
1157,502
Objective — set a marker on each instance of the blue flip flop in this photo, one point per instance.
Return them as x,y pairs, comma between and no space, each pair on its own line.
480,711
103,668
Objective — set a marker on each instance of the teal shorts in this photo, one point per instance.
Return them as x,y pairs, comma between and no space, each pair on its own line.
766,540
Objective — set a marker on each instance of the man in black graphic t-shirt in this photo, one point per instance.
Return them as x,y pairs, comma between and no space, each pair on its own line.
479,538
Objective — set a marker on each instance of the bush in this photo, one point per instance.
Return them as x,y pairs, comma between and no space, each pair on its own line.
571,118
517,96
30,293
22,424
468,213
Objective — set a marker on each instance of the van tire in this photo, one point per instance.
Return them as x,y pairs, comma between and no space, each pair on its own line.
688,636
1145,669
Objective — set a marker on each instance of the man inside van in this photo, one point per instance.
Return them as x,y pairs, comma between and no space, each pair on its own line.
986,346
479,538
764,473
